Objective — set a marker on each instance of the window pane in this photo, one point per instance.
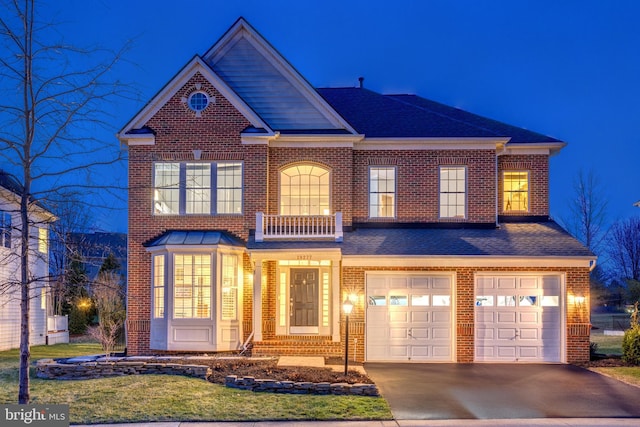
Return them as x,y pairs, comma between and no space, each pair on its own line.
377,300
453,192
484,301
528,301
192,287
441,300
166,189
158,286
506,301
308,186
550,301
516,191
398,300
198,188
229,183
382,189
229,287
420,300
5,229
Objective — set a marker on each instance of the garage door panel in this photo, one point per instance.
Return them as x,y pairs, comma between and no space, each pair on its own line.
441,333
441,317
528,330
529,317
418,318
506,317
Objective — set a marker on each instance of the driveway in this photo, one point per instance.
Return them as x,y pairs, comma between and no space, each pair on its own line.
493,391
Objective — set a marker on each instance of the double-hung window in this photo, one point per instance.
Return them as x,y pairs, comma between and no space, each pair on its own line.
516,191
382,192
192,286
5,229
453,191
197,188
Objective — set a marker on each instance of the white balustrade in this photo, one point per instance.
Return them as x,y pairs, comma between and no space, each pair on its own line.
269,227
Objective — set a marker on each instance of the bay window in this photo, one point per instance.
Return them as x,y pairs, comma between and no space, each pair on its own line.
192,286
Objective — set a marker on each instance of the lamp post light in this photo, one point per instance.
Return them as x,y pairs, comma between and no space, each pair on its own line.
347,306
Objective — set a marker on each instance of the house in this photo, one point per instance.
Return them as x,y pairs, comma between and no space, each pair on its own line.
258,204
10,289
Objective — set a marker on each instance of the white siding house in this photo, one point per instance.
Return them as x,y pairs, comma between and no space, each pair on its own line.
10,227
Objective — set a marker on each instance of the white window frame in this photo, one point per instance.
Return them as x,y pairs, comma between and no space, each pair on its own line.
450,191
198,291
5,229
223,193
159,291
376,193
315,204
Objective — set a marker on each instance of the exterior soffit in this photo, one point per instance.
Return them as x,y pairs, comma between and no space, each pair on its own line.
243,30
170,89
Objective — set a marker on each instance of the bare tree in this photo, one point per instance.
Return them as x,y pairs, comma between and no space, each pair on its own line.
53,98
588,207
624,248
109,300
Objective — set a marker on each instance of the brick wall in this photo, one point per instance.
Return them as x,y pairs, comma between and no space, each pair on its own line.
538,168
418,180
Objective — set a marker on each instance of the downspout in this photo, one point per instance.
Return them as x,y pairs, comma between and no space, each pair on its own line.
499,151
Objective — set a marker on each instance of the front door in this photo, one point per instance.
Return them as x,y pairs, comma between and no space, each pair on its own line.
303,295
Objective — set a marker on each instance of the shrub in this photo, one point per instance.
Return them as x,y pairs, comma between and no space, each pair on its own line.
593,350
631,341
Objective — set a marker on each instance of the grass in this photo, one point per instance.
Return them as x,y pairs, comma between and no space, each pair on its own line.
627,374
607,344
146,398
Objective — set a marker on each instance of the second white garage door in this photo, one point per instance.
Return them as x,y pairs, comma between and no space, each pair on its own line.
518,318
409,318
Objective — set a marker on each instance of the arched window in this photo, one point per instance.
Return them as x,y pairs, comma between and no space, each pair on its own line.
304,190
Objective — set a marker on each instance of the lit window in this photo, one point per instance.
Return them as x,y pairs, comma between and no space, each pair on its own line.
382,192
229,287
43,240
516,191
158,286
186,188
453,191
304,190
198,101
5,229
192,286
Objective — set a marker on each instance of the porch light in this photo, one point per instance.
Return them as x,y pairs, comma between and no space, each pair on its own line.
347,307
579,299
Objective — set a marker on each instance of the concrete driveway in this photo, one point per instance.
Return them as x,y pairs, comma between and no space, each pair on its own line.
492,391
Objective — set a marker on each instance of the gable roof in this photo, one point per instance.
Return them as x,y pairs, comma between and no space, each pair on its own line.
411,116
261,76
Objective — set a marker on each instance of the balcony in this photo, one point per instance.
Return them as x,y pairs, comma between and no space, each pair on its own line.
302,227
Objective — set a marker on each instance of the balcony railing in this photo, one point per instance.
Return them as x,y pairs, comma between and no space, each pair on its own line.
272,227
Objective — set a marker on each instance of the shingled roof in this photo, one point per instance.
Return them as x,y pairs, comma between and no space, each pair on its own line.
545,239
411,116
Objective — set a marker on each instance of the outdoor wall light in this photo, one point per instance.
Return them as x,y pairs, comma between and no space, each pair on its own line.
347,307
579,299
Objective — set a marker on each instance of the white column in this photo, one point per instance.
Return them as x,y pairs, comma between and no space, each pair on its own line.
336,303
257,302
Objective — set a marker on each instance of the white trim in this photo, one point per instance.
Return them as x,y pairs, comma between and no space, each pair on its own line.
543,148
243,29
138,139
401,143
295,254
159,100
464,261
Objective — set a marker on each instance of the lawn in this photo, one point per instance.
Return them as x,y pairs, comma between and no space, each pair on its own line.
607,344
171,398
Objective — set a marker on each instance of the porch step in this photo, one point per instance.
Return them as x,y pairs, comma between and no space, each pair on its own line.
316,362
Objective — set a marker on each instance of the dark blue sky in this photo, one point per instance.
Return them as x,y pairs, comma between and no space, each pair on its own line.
569,69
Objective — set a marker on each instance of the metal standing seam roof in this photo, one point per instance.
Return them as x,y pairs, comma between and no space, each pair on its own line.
545,239
195,237
411,116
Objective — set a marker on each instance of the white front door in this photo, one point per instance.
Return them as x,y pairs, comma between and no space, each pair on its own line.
518,318
409,317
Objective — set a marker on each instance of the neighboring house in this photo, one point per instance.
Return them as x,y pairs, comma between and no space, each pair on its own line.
10,288
258,204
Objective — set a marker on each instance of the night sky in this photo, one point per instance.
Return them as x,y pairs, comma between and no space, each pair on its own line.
569,69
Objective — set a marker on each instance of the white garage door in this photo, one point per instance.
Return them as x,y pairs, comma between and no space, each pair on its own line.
518,319
409,318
